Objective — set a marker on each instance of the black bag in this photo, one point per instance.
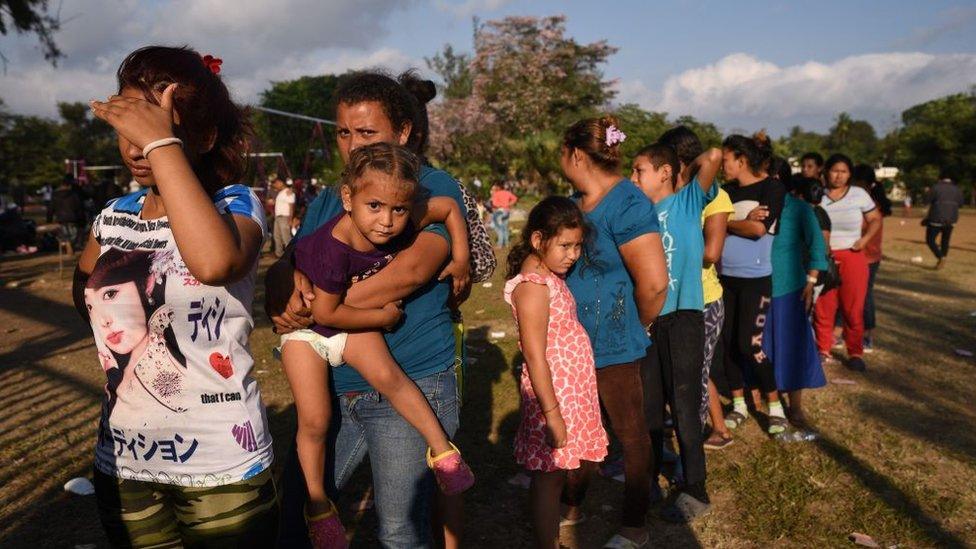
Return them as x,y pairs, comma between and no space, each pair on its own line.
830,278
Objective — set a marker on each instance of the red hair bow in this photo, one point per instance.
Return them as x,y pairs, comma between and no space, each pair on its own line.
212,63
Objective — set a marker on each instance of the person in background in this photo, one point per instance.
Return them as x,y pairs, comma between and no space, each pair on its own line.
811,165
69,212
502,201
865,178
849,208
284,213
945,199
47,193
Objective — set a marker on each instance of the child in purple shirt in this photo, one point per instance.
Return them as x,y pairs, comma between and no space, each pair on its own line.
379,195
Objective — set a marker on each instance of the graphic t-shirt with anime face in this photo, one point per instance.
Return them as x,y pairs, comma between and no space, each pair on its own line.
180,406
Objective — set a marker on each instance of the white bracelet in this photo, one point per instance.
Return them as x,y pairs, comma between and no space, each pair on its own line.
160,143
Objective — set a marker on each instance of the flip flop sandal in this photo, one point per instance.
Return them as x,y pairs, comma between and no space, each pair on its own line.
734,419
685,509
778,425
563,521
621,542
716,441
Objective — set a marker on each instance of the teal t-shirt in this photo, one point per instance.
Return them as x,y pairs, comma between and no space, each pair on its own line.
423,342
679,216
600,282
798,247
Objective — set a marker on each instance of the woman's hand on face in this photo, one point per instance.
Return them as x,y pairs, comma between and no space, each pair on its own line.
137,120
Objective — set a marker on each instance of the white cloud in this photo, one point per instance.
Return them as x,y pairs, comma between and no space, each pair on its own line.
741,90
259,42
466,9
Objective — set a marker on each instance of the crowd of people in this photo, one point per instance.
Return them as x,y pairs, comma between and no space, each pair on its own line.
638,302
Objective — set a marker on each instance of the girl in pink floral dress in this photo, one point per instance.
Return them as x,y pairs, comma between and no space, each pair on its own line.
561,423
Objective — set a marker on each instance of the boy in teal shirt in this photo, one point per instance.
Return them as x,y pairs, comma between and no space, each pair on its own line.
675,359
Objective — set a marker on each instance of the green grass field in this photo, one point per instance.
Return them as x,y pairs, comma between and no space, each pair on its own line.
896,458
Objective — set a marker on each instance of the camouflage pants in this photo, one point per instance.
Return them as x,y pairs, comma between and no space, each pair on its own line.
149,514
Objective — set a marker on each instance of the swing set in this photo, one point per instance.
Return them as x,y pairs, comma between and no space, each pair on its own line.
318,145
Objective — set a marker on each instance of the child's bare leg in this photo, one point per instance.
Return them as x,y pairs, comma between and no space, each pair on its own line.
544,504
368,354
308,375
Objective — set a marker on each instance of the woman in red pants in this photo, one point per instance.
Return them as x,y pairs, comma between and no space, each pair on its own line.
850,209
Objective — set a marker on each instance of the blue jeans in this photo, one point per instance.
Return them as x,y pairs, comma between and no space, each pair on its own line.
499,219
366,423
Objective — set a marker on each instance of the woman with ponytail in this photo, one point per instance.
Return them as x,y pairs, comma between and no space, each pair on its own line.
746,273
620,287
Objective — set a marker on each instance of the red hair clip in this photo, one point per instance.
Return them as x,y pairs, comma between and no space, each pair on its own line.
212,63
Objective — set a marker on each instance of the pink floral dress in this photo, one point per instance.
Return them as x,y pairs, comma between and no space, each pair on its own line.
570,359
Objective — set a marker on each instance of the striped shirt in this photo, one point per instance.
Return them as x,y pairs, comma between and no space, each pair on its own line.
847,216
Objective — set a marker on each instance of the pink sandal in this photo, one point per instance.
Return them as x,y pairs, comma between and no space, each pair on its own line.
452,473
325,530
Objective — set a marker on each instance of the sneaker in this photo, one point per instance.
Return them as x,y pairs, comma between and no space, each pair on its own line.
857,364
827,359
838,342
868,345
452,473
325,531
685,508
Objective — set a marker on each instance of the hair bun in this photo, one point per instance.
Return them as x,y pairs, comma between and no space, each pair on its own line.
423,90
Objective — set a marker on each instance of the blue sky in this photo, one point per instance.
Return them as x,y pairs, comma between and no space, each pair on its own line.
743,65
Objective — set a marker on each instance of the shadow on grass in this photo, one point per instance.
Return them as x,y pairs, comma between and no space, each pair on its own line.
886,491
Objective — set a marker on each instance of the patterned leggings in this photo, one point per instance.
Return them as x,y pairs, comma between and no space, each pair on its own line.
150,514
714,317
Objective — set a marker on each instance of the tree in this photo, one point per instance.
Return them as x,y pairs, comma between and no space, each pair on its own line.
799,142
855,138
31,16
309,95
528,82
454,71
938,139
84,136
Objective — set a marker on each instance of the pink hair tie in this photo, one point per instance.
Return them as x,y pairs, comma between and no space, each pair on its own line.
615,136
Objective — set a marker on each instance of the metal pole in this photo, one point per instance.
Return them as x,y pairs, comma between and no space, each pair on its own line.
293,115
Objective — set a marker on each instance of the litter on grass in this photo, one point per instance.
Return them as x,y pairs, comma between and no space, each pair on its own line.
496,335
520,480
917,259
80,486
863,540
842,381
964,352
486,285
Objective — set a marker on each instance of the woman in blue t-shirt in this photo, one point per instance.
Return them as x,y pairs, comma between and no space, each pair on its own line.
620,286
372,108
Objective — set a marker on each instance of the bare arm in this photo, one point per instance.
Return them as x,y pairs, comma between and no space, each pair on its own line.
747,228
217,249
644,259
329,310
874,221
412,268
442,209
532,312
86,264
715,227
705,166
